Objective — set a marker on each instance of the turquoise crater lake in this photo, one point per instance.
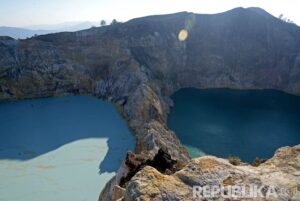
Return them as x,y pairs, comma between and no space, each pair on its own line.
244,123
60,148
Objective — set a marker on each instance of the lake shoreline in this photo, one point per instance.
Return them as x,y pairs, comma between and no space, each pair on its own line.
100,155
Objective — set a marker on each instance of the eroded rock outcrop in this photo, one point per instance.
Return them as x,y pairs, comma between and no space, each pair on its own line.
137,65
281,174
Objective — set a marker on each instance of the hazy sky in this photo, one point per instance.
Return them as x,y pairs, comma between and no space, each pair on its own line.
33,12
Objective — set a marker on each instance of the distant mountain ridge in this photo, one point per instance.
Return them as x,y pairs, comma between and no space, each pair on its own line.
61,25
26,32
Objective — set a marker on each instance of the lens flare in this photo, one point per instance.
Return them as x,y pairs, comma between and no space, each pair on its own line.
183,34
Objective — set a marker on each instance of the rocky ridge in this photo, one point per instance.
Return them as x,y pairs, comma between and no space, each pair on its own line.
137,65
276,179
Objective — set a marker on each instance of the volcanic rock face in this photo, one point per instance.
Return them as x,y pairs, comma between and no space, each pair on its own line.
138,64
276,179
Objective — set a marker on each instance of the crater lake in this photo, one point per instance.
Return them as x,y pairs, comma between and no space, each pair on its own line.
60,148
227,122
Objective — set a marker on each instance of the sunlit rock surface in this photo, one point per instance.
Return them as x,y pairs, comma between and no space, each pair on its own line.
280,173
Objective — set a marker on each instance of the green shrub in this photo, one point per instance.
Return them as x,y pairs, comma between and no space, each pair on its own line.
257,162
234,160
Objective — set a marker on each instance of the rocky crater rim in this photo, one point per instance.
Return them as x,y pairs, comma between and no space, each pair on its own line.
137,65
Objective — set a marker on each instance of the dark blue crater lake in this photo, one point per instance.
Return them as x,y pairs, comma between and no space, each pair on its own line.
244,123
60,148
